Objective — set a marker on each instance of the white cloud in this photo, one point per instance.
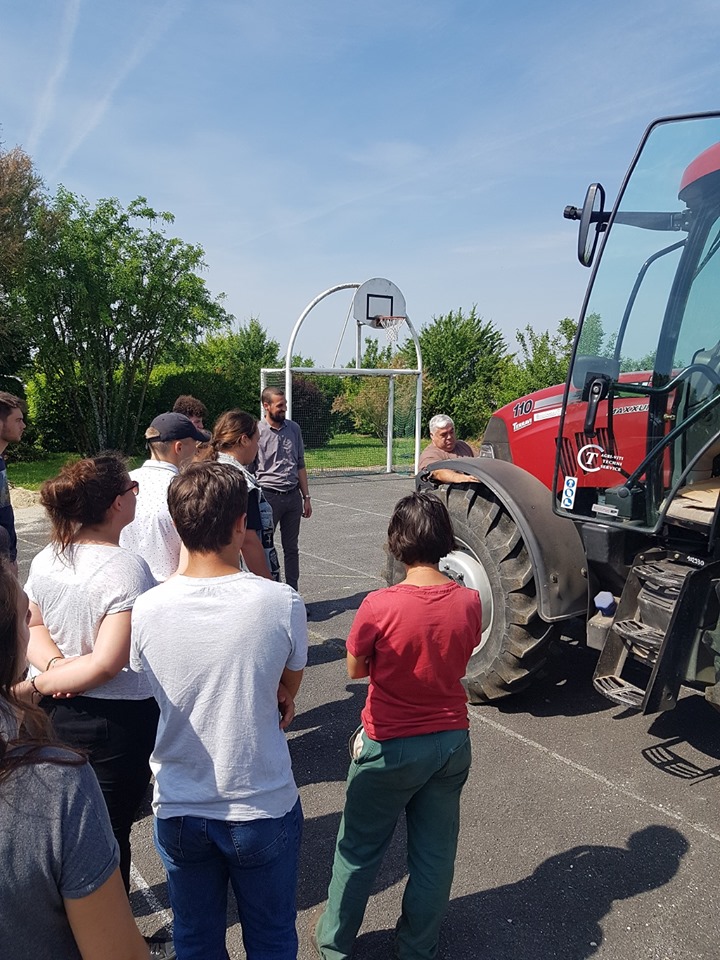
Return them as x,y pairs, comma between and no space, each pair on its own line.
49,96
157,26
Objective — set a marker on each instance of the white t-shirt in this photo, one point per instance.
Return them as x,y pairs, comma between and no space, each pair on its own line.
76,590
214,650
152,534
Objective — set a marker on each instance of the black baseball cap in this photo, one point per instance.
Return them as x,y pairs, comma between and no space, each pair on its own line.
174,426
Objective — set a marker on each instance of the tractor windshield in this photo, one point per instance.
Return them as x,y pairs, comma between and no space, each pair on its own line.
640,434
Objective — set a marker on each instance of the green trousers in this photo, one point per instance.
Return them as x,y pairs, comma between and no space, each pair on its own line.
423,776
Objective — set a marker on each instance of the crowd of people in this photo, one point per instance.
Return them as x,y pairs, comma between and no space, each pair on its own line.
154,637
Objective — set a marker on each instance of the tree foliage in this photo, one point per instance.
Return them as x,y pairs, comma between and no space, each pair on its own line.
311,410
20,198
107,292
542,360
364,401
238,356
464,358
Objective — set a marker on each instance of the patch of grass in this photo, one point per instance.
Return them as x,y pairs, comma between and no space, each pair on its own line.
31,476
351,450
346,451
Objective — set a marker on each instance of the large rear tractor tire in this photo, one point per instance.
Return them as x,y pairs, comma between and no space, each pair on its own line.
492,557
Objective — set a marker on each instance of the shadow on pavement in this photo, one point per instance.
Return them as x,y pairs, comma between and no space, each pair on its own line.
322,610
319,745
691,728
556,912
564,689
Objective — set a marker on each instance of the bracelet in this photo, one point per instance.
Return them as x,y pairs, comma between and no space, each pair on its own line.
34,686
306,496
52,660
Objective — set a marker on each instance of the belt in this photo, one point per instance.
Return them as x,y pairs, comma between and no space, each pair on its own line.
281,493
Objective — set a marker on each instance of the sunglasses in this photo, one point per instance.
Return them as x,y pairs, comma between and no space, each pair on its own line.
134,486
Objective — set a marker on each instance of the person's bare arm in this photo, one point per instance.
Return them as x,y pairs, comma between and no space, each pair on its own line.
291,680
305,491
41,648
111,652
23,691
358,667
443,475
103,926
286,706
254,554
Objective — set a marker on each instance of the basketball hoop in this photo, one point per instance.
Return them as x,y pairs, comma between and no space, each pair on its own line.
391,326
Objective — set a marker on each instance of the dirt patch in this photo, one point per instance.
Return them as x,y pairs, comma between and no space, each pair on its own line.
20,497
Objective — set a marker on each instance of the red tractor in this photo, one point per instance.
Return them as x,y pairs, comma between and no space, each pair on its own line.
599,499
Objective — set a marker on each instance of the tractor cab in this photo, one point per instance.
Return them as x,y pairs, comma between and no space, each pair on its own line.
638,452
639,442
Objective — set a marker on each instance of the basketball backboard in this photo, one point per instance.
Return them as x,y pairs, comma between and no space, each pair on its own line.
377,298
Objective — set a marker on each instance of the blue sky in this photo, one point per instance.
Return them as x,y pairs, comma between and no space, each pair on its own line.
307,143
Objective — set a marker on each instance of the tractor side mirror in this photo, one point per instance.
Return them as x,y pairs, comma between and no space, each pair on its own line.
592,219
587,369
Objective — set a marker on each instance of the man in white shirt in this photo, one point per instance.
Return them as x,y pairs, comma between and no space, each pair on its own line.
172,440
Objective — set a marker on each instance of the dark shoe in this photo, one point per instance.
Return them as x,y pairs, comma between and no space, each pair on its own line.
161,948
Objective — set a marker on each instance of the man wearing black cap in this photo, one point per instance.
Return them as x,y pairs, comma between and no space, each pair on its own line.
172,439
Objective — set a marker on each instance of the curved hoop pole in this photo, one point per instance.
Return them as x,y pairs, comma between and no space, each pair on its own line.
296,330
418,392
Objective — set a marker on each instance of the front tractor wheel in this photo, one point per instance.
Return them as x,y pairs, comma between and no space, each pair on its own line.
491,557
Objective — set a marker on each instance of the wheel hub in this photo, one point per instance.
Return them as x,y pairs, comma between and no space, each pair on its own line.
464,568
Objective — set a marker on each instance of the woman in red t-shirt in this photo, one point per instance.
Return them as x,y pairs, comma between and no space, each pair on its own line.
412,752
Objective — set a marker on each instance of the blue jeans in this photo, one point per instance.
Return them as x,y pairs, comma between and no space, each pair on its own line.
258,857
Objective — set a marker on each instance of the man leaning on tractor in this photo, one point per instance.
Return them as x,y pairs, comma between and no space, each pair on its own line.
444,445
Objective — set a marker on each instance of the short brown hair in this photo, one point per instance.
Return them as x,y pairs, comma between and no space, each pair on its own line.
270,392
190,406
205,501
420,530
9,402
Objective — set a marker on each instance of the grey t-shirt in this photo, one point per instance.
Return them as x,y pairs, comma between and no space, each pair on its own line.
214,650
55,843
280,455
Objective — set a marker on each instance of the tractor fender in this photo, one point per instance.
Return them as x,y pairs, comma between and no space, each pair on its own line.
553,542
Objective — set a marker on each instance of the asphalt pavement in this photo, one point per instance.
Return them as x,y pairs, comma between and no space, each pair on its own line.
587,831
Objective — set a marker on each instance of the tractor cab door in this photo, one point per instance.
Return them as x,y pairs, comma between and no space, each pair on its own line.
639,439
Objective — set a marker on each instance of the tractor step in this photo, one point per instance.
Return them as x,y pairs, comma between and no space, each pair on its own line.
620,691
639,636
643,642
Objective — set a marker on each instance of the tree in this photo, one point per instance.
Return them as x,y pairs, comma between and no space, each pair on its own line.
366,404
20,197
463,361
107,293
543,360
311,410
238,355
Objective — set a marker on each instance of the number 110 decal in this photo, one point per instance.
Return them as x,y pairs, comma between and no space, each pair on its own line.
523,407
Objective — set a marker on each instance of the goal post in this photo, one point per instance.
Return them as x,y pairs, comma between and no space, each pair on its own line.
401,405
